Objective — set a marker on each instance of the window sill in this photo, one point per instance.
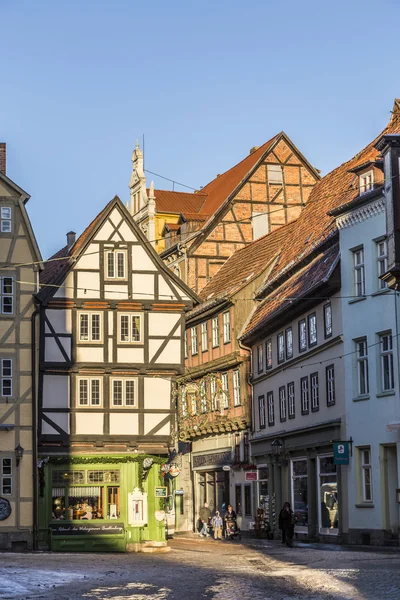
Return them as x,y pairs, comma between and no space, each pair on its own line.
361,398
358,299
365,505
387,393
381,292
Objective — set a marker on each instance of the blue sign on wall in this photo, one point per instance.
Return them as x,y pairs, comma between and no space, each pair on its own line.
341,453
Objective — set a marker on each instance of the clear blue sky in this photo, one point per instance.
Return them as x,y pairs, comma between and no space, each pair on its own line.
204,81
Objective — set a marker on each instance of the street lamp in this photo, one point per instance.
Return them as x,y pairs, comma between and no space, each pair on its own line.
278,449
19,452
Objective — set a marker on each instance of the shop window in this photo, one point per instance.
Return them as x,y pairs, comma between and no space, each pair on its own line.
6,476
238,499
328,496
247,500
300,491
113,503
103,476
262,484
60,477
214,489
83,503
58,511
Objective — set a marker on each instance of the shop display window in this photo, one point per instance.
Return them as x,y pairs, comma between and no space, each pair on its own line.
214,489
113,504
85,503
68,477
328,496
300,491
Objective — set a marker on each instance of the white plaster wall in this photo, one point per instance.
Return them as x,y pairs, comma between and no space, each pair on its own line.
367,419
88,285
90,259
110,323
157,393
88,354
124,424
152,420
130,355
115,292
164,290
141,260
171,353
104,232
127,233
52,352
163,323
56,391
60,419
66,290
89,423
60,320
143,286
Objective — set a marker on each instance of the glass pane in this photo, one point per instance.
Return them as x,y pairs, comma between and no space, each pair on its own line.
238,499
300,500
124,328
110,265
7,285
113,505
329,502
85,504
117,392
95,327
247,500
202,488
121,264
84,327
83,392
95,384
130,393
58,508
136,329
327,465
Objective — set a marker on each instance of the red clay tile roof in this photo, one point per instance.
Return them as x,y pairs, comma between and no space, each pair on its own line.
222,186
178,202
314,226
53,266
304,281
246,264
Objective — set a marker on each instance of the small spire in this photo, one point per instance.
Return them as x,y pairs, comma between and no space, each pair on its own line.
137,144
151,190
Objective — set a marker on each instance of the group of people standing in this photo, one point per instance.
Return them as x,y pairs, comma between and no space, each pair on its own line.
216,522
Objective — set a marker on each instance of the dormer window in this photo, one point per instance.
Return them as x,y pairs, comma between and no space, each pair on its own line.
366,181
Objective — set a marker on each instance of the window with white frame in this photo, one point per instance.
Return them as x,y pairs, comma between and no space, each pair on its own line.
6,295
302,335
271,409
130,328
362,367
305,399
6,476
203,396
90,327
282,403
236,388
123,392
115,264
382,262
366,181
226,319
387,371
204,336
6,377
328,320
268,354
289,342
213,394
193,337
281,347
291,400
359,272
89,391
275,174
186,345
261,411
225,389
260,358
312,330
5,219
215,332
314,392
330,385
260,223
366,474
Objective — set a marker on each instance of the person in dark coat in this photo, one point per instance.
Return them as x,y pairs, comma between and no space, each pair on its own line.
205,515
286,524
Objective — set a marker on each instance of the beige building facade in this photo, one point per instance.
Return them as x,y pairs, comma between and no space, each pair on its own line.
20,264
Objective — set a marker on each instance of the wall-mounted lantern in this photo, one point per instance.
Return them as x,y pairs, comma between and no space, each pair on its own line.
19,452
278,451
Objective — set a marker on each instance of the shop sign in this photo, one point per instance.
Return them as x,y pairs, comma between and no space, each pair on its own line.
179,492
250,476
92,529
341,453
217,459
161,492
5,509
226,468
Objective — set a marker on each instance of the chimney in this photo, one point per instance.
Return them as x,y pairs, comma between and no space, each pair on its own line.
3,157
71,237
253,149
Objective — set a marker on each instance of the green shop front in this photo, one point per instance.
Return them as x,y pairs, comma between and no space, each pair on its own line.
102,503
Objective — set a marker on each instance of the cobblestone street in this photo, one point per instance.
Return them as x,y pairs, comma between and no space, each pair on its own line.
203,569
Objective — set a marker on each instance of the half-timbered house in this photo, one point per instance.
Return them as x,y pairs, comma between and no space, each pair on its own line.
112,323
196,232
20,264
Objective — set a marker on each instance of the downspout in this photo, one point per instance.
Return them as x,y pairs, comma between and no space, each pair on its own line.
249,381
35,434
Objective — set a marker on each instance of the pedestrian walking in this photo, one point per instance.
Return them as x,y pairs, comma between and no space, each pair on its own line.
216,522
205,515
286,523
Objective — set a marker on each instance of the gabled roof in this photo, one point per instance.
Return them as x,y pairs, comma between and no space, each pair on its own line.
56,270
304,282
315,226
246,264
178,202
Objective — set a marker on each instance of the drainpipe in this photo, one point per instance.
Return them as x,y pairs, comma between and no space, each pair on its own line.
34,434
249,381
